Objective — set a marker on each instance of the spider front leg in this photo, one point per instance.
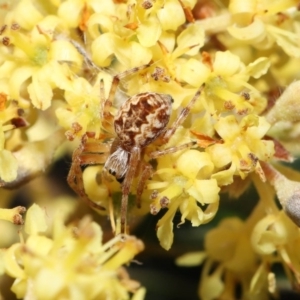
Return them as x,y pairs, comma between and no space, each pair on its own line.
182,116
170,131
135,155
107,103
93,153
146,172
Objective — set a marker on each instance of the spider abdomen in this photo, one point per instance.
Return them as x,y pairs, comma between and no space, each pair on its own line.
142,118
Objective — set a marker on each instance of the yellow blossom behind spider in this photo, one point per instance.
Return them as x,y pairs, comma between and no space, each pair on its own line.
183,182
73,259
264,23
129,30
242,147
229,259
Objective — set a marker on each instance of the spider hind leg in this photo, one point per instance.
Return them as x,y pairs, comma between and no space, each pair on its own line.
86,154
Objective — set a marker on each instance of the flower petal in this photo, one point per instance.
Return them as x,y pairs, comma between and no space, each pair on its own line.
288,41
191,259
227,64
190,210
165,234
12,266
149,32
40,92
258,68
165,226
35,220
27,14
193,72
17,78
70,12
205,191
131,54
192,163
189,41
253,33
105,42
171,16
8,166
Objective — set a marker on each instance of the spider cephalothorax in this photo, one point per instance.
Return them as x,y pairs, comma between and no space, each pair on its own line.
140,120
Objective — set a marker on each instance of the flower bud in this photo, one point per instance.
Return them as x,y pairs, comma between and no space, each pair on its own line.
287,106
288,192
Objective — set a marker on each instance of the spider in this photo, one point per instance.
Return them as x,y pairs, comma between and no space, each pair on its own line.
140,120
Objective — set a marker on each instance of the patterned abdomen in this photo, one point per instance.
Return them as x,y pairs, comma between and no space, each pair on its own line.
142,118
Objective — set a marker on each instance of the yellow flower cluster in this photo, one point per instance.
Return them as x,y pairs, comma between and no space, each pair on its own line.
238,252
54,57
72,260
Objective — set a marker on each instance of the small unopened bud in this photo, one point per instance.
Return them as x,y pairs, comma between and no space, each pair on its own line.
288,192
287,106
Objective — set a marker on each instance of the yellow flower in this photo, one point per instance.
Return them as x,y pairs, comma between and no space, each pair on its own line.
38,59
275,236
228,259
261,24
176,53
183,182
72,259
82,114
128,32
242,148
276,239
226,81
229,244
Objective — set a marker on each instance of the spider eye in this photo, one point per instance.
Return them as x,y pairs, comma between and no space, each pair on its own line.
172,100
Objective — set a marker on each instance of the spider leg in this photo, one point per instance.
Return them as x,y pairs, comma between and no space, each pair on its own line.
182,116
146,172
94,153
158,153
81,157
106,104
106,116
170,131
120,76
133,164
